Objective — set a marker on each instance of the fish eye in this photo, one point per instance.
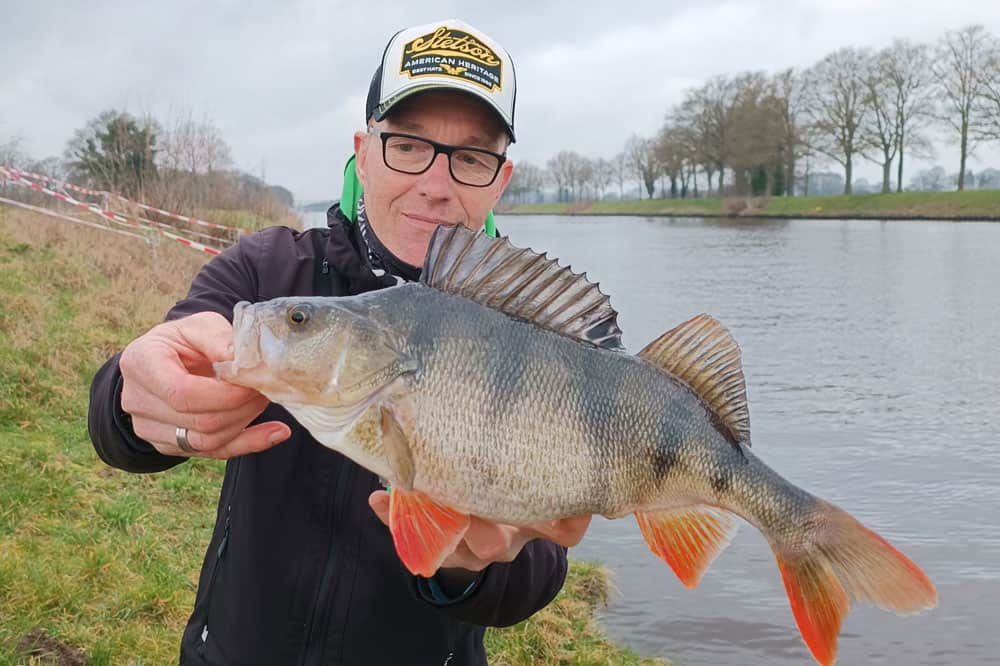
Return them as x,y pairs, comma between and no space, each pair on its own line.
298,315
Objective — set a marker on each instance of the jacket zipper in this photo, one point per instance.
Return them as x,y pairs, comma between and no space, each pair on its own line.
315,635
220,551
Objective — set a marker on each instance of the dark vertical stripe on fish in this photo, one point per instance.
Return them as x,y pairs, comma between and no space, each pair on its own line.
506,386
604,413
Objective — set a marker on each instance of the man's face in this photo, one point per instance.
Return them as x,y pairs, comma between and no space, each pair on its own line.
404,209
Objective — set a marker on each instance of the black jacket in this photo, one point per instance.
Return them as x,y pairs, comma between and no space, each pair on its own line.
299,569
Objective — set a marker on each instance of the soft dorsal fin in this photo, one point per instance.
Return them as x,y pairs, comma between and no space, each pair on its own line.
701,353
520,283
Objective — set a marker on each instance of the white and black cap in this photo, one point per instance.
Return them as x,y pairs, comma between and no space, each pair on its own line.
446,55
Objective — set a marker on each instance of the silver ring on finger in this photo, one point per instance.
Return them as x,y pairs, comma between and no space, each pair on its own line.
181,437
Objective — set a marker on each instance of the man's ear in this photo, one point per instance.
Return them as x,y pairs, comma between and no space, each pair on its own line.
506,171
360,152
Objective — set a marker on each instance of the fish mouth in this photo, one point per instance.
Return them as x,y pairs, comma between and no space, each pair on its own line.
246,345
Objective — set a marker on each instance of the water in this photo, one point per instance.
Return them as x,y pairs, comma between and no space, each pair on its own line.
313,219
871,356
870,351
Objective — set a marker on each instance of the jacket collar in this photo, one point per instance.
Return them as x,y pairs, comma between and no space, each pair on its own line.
347,255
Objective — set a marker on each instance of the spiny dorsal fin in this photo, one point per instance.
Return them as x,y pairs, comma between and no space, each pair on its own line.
701,353
520,283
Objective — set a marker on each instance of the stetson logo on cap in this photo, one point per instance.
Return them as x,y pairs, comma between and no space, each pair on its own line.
453,52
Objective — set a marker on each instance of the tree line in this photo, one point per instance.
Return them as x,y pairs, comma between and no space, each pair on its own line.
184,165
758,134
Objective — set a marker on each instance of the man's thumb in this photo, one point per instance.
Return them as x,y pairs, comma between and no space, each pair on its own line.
207,334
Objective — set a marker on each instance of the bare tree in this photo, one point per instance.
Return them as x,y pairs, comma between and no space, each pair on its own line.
908,75
51,166
706,114
671,154
585,174
988,107
621,168
960,58
835,104
525,183
787,93
10,153
604,175
641,155
934,179
192,155
195,146
881,133
566,171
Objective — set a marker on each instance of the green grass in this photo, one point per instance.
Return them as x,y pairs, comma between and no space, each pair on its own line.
102,563
566,631
241,219
978,204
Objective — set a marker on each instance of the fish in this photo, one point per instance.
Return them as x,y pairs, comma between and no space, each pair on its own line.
498,386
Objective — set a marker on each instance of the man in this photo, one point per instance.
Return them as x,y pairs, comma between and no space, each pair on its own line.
301,568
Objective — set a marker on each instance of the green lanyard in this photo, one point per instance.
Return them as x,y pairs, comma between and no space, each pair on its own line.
351,195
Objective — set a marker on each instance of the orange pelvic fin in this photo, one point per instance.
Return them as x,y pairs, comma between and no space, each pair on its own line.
687,539
842,562
424,532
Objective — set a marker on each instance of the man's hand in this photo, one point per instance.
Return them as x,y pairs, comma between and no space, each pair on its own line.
168,383
487,542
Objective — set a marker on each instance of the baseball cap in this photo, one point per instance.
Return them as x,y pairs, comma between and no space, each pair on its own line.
446,55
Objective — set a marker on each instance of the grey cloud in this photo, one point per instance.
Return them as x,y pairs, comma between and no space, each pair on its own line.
285,82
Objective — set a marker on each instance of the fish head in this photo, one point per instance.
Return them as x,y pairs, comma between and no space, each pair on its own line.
321,351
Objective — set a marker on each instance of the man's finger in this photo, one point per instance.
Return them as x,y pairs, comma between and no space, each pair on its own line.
184,392
255,439
203,441
142,404
566,532
494,543
208,333
379,502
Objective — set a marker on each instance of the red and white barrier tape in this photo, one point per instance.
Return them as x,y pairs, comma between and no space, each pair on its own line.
97,193
56,181
52,213
183,218
13,176
163,225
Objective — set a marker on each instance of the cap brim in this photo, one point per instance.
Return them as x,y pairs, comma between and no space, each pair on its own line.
382,110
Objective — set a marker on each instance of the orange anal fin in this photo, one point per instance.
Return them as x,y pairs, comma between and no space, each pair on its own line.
424,532
687,539
819,604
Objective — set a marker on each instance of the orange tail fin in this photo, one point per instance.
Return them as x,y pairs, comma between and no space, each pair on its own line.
839,561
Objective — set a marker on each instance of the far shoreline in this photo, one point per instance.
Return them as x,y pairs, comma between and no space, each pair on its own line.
757,216
968,206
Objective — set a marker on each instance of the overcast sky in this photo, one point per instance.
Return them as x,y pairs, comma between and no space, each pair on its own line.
286,81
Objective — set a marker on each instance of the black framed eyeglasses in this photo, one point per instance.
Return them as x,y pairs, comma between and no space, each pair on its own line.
407,153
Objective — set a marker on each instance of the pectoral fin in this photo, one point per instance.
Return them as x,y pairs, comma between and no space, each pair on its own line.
424,532
397,449
687,539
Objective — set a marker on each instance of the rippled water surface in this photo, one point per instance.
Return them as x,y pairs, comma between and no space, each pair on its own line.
872,356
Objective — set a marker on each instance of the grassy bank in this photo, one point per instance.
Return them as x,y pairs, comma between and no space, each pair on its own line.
983,204
247,219
100,566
